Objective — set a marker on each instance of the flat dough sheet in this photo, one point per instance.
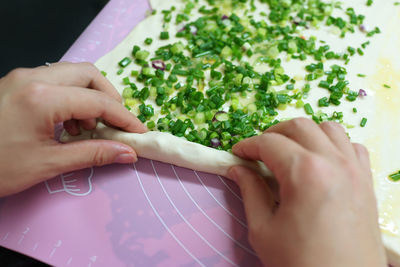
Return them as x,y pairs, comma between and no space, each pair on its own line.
381,106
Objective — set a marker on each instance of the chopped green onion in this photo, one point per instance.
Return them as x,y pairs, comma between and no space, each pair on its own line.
125,62
200,118
209,69
177,48
395,176
127,93
142,54
164,35
151,125
308,109
150,72
363,122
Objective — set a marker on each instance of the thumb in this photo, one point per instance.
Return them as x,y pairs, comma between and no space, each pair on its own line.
257,197
88,153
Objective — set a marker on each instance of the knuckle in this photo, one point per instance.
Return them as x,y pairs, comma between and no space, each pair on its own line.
99,158
312,163
19,73
351,169
317,172
35,90
90,67
300,123
331,126
31,95
361,149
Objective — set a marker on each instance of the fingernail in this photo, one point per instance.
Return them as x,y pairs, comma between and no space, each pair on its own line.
125,158
123,149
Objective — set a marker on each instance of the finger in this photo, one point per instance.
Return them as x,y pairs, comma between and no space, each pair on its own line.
88,153
89,124
80,104
257,197
72,127
338,137
277,151
362,155
305,132
84,75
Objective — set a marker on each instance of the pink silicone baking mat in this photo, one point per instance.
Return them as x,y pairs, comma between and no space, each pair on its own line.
146,214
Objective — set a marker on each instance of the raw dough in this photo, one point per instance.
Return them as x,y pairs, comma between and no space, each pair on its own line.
168,148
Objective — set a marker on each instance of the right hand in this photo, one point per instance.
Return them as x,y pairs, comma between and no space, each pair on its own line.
327,214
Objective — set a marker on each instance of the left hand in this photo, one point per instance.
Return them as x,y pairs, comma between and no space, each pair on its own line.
33,101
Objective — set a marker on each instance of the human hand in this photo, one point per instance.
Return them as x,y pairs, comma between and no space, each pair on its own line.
33,101
327,214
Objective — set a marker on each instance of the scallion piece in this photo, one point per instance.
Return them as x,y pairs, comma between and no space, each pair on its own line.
308,109
142,54
395,176
363,122
151,125
148,41
164,35
125,62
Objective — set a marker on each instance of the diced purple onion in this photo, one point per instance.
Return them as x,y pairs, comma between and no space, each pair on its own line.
158,64
224,17
193,29
363,28
296,21
182,27
362,93
215,142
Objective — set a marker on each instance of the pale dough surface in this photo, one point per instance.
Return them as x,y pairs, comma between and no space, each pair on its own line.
381,107
168,148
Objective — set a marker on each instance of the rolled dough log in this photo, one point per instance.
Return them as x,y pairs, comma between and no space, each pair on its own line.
168,148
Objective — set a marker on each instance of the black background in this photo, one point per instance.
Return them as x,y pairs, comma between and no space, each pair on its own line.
37,31
34,32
